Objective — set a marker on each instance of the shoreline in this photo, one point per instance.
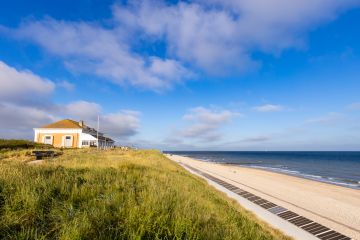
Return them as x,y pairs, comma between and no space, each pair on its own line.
298,174
320,179
334,206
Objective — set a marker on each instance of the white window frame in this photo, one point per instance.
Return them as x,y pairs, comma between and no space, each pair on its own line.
64,138
52,139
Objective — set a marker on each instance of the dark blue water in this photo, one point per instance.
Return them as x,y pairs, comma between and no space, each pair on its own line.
340,168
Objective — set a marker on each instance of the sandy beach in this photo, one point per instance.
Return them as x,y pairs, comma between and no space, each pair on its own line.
333,206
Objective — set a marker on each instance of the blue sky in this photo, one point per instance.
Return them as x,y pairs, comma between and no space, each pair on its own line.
194,75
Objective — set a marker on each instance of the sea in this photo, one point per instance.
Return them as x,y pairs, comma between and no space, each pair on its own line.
335,167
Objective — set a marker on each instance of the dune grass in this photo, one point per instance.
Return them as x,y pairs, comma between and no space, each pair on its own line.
89,194
12,144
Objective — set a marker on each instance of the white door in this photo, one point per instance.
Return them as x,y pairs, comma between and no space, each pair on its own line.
68,141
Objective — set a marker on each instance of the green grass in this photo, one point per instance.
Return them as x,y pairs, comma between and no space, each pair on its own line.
12,144
89,194
15,149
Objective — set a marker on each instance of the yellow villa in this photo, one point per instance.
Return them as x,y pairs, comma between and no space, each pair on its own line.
71,134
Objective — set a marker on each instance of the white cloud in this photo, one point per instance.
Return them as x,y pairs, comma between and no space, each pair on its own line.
22,118
199,36
20,110
278,24
218,36
256,139
354,106
201,131
18,121
331,117
83,110
210,116
22,85
121,124
93,49
269,108
23,95
66,85
205,123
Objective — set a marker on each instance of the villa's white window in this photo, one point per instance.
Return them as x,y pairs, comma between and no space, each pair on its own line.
48,139
85,143
68,141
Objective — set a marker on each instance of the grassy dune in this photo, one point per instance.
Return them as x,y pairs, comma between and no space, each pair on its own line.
89,194
12,144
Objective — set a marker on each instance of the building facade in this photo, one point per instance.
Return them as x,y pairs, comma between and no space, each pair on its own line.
71,134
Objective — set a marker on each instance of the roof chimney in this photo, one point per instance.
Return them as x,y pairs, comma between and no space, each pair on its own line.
81,123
